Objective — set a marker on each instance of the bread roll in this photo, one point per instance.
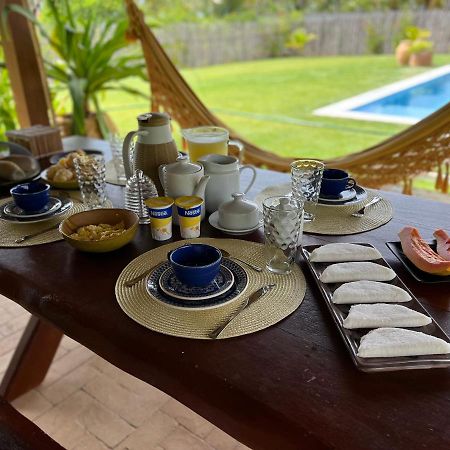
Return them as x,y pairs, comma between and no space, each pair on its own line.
11,171
27,163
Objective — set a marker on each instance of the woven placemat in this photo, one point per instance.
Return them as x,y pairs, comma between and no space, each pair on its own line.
9,232
337,220
281,301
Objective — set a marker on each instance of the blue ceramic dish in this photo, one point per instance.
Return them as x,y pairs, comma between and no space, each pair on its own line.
195,264
32,196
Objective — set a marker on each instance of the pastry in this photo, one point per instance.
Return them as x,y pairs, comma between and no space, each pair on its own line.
355,271
339,252
390,342
369,292
11,171
384,315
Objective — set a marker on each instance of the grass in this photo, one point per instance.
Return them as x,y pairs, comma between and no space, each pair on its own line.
270,102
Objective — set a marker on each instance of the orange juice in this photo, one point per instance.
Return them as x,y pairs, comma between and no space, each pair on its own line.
206,140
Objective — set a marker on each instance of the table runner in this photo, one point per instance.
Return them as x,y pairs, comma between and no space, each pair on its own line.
284,299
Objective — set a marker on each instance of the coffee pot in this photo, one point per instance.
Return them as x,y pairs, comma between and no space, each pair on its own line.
154,146
183,178
225,173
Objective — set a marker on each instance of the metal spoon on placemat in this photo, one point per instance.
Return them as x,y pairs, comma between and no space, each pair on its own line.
361,212
32,235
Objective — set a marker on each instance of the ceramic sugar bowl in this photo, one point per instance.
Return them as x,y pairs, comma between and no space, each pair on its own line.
239,213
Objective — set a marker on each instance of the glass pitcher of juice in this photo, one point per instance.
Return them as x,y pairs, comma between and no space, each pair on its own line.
208,140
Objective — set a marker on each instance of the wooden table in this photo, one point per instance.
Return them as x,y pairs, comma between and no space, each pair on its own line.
290,386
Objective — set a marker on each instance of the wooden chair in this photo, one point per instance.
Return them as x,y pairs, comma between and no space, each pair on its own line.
421,148
19,433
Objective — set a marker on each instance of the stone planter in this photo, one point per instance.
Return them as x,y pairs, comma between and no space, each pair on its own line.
421,59
402,52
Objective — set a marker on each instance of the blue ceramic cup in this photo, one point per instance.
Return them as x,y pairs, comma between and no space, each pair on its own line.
195,264
32,196
334,181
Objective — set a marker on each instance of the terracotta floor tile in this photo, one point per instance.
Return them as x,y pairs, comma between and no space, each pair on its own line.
150,433
182,439
104,424
68,384
221,440
32,404
89,442
134,408
189,419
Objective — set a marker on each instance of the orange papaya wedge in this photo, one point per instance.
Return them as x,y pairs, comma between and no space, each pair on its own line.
421,254
443,244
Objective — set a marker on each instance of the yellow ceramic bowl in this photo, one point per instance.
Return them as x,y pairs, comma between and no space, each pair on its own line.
95,217
73,184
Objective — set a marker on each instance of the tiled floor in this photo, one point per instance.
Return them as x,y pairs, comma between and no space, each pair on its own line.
87,403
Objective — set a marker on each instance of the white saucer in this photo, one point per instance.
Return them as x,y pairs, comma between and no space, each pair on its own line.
214,222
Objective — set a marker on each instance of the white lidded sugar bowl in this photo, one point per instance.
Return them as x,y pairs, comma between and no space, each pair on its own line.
239,213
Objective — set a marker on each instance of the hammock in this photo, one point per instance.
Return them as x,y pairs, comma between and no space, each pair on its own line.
421,148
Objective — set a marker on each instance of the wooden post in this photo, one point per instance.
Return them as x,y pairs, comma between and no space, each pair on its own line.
26,70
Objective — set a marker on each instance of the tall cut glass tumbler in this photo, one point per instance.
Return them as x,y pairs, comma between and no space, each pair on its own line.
306,178
282,228
91,175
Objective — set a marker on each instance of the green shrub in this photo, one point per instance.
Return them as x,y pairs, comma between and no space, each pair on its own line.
298,39
375,40
8,118
420,45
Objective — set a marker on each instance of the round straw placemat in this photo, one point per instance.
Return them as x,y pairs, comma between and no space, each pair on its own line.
281,301
9,232
338,220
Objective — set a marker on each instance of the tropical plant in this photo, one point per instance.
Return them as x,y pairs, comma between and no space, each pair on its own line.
420,46
7,109
413,33
87,57
298,39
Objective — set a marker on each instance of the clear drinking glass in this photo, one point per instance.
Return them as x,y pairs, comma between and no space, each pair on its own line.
116,143
91,175
283,218
306,177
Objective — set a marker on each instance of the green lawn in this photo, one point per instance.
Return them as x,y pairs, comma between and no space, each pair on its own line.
270,102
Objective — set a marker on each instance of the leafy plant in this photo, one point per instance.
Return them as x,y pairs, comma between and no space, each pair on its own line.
413,33
86,57
375,40
420,45
7,109
298,39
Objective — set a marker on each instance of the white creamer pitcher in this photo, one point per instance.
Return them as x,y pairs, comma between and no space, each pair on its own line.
224,172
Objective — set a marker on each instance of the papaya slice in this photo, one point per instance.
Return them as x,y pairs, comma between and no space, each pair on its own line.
443,244
421,254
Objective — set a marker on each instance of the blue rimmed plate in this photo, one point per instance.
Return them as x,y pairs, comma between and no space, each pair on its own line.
239,285
350,198
170,285
12,210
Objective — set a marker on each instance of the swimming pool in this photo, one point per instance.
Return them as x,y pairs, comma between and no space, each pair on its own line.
406,101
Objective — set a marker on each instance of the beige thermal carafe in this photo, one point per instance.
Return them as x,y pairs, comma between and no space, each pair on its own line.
154,146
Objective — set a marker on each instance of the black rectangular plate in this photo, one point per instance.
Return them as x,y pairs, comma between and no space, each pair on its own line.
396,248
352,337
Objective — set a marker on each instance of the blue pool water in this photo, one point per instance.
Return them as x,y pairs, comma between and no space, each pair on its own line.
416,102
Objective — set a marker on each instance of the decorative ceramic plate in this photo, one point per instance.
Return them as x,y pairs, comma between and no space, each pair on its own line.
12,210
240,283
396,248
66,204
360,195
72,184
343,196
214,222
170,285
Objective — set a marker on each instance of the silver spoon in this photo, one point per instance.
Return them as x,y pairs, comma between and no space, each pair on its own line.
29,236
361,212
